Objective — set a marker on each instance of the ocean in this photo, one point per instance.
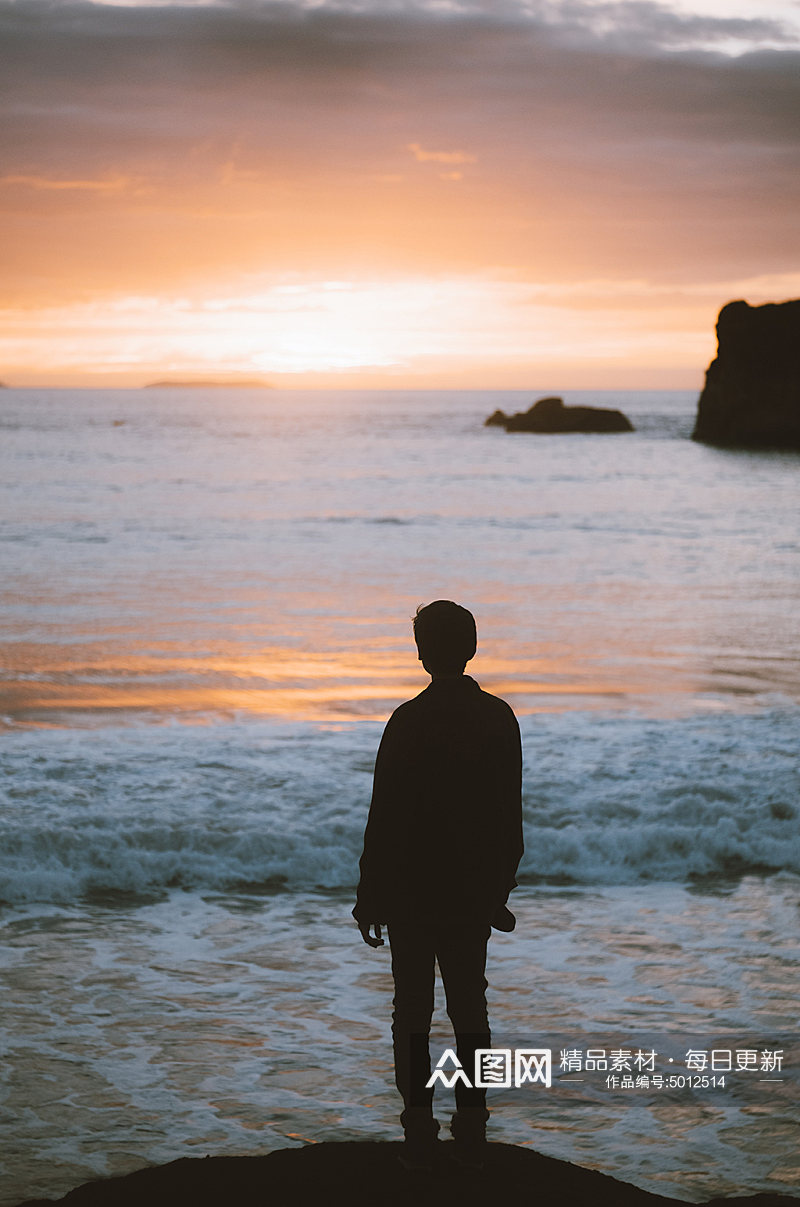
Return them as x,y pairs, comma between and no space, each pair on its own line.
207,598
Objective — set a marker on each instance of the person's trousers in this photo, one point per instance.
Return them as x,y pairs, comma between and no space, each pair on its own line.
460,950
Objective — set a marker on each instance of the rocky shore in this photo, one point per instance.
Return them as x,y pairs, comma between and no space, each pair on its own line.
361,1173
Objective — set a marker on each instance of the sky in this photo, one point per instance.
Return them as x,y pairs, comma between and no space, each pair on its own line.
544,194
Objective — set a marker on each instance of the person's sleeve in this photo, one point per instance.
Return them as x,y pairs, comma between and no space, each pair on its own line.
512,845
378,859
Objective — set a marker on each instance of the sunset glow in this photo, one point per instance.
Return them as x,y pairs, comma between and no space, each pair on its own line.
425,195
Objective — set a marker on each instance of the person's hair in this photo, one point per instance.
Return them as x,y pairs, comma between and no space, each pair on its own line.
446,636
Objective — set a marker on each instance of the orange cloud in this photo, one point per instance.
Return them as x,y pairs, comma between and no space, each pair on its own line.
108,185
423,156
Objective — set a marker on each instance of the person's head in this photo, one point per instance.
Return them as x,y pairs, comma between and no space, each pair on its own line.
446,637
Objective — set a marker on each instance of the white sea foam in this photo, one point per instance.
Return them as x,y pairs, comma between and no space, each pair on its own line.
607,800
228,1024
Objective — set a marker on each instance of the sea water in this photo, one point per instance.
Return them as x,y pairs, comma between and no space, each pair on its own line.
207,598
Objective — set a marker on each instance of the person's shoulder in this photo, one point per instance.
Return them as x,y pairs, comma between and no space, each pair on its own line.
403,727
498,706
407,711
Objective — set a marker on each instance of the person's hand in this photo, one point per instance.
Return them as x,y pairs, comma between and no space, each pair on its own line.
371,940
503,919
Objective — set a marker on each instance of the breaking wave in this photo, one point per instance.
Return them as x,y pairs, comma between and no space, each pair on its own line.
263,807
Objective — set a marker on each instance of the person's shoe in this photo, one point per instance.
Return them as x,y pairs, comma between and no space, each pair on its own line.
468,1156
418,1154
419,1150
469,1139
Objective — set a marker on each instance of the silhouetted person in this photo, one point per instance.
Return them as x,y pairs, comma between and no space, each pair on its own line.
441,848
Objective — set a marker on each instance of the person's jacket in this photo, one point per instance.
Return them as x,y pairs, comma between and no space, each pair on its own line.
444,833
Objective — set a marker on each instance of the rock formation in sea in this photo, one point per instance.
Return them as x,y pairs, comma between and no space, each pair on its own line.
751,395
549,415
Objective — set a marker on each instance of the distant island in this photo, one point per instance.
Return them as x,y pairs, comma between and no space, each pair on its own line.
241,383
751,396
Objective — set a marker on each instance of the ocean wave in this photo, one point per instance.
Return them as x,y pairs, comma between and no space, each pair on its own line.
607,800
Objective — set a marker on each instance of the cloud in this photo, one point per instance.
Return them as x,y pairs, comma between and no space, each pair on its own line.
452,330
645,26
113,185
423,156
611,137
174,74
